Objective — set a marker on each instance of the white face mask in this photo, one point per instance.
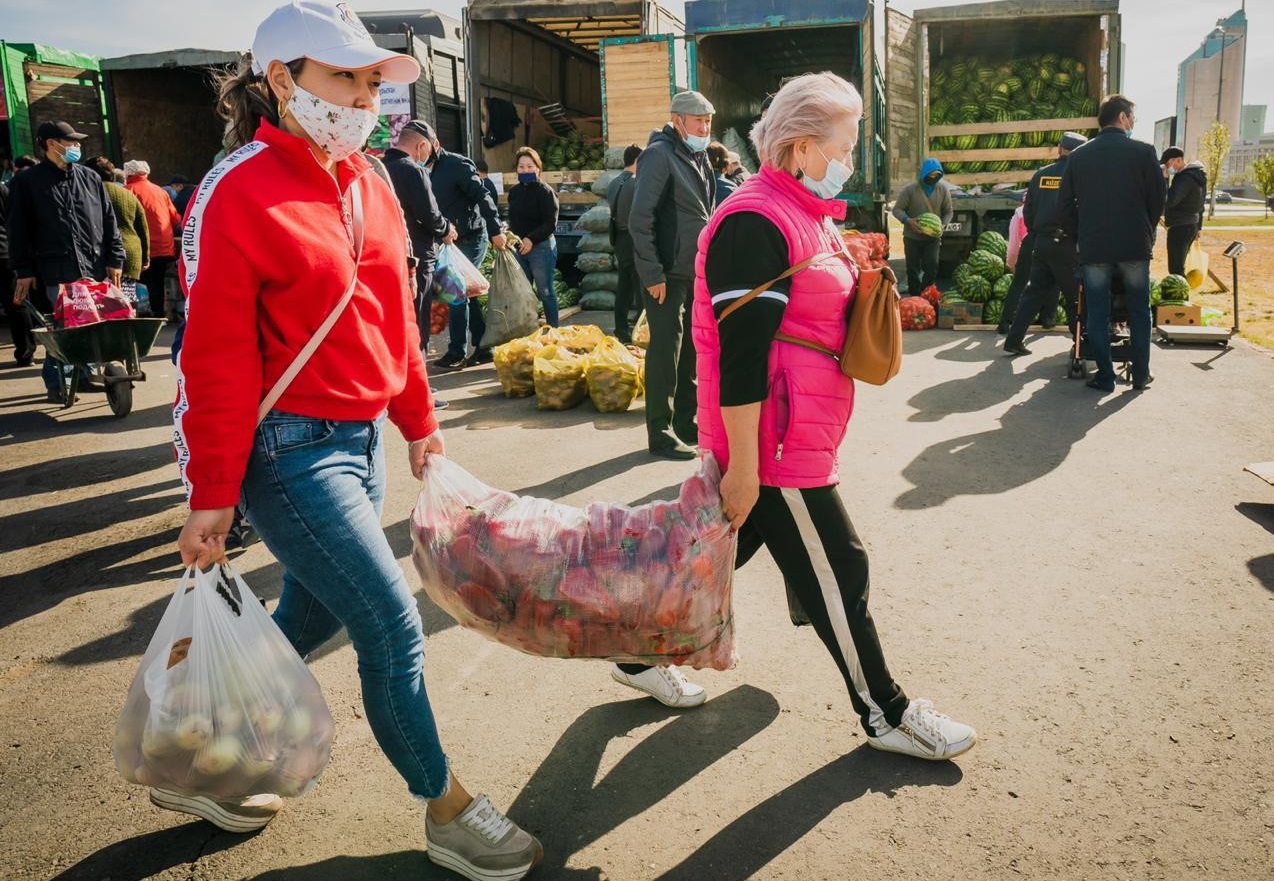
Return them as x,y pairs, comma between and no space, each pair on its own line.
834,179
338,131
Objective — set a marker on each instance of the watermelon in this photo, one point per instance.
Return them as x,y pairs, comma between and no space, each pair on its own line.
1174,289
961,274
966,142
1156,296
975,289
930,224
984,263
992,312
1000,289
917,313
994,242
1060,317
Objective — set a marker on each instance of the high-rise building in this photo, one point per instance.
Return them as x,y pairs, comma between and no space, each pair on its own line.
1165,133
1210,83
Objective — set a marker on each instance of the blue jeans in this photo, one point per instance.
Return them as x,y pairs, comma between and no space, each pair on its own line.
466,317
313,491
539,266
1098,280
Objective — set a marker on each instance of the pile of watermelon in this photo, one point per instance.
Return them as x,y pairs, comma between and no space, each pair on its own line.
1171,290
983,277
650,584
870,250
971,89
917,313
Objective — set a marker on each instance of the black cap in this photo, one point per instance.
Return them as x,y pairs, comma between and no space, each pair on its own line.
1172,153
178,179
58,131
420,127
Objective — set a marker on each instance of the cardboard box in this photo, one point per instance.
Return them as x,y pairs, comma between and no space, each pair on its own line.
951,314
1179,316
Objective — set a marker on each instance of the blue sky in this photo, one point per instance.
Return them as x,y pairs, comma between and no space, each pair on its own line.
1158,34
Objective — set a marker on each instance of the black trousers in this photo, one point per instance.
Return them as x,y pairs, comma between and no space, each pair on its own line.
153,277
1180,238
810,536
17,316
1021,275
424,302
922,263
671,400
629,293
1053,266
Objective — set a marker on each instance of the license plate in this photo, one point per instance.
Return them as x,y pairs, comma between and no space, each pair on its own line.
954,227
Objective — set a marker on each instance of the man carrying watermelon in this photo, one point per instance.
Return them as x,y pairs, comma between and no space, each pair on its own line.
1053,257
924,208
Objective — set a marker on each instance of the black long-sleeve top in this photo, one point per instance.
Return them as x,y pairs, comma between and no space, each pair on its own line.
61,225
533,211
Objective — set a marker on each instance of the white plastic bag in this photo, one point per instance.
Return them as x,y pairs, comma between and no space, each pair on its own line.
222,705
456,279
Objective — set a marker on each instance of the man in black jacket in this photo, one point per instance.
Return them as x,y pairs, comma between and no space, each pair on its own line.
426,224
1183,208
1111,199
1052,256
671,206
619,196
467,205
61,226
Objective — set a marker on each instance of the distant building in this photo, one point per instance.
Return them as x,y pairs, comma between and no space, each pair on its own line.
1165,133
1242,154
1210,83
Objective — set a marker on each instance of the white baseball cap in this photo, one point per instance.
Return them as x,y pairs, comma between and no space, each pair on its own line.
329,33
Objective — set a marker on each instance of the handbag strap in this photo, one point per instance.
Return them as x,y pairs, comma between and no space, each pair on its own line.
303,357
761,289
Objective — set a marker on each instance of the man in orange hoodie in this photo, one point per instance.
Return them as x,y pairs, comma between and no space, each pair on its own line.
164,224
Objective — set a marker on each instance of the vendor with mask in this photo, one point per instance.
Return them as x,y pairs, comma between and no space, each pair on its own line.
926,196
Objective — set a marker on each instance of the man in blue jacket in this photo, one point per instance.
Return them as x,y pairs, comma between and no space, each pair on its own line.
468,206
1111,198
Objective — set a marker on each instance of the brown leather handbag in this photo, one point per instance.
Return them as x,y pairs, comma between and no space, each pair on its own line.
873,339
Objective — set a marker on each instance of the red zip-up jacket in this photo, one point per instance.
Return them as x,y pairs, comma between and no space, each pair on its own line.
266,253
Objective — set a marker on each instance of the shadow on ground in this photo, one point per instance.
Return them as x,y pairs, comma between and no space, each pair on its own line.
1034,437
147,855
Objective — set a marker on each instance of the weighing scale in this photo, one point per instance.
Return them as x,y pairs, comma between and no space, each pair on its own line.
1194,335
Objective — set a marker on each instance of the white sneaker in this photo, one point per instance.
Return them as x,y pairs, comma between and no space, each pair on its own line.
245,815
483,844
926,734
665,684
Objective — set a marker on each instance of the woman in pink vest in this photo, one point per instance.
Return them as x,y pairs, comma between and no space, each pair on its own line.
775,413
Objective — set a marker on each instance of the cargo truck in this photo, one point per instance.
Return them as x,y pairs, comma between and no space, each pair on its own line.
743,50
41,83
541,60
988,89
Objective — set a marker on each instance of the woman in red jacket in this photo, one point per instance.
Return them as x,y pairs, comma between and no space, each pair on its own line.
269,251
163,221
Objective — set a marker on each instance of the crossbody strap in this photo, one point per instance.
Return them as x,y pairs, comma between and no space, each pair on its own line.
303,357
761,289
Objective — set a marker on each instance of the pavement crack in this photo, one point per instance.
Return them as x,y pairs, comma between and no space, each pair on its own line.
194,864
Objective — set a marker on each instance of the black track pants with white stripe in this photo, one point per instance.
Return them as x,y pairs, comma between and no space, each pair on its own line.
813,542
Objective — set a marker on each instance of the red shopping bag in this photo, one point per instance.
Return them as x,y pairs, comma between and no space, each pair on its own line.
88,302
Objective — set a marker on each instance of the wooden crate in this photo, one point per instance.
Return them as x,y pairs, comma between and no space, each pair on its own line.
1044,155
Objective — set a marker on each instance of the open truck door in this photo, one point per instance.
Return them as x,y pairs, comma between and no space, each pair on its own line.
904,98
639,77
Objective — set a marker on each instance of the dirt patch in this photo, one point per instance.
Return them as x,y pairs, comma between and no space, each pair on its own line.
1256,280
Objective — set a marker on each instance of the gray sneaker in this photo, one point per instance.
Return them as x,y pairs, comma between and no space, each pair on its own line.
245,815
482,844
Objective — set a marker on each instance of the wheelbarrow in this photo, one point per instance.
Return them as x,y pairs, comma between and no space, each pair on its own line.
104,356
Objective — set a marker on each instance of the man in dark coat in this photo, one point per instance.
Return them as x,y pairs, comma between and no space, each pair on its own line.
469,208
671,206
1111,199
62,227
1053,254
1183,208
619,196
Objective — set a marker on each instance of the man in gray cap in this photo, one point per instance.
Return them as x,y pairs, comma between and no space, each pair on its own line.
671,206
1053,256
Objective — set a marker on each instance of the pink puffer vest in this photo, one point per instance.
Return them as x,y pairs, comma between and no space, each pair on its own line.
803,420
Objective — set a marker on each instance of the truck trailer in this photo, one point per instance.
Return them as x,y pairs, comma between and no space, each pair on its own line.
743,50
40,83
988,89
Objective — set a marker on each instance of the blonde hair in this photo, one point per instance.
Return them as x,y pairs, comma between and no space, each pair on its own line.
531,153
805,107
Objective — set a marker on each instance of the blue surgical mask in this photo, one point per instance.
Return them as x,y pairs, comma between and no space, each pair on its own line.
527,177
698,143
72,154
833,181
